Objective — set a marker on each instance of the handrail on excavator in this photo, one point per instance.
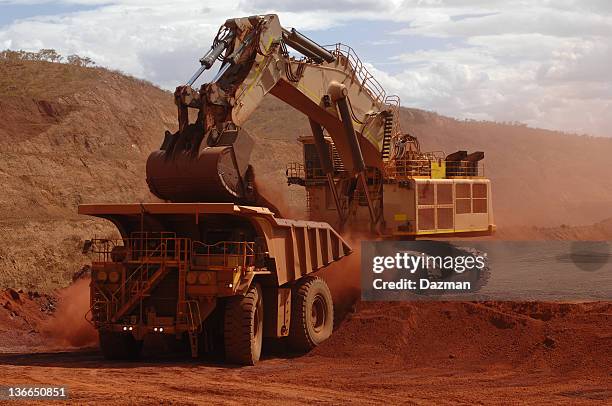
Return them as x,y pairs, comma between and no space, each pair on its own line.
367,79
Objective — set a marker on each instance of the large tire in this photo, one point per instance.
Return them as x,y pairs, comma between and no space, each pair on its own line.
312,314
119,346
243,327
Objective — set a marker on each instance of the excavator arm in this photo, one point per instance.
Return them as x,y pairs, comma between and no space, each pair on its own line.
208,159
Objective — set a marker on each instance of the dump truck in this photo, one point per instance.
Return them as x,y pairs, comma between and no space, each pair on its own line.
224,272
216,262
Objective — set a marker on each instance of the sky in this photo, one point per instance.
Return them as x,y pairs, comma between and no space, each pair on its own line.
545,63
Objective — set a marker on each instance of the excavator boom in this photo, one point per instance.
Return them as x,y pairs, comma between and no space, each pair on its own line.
210,156
352,119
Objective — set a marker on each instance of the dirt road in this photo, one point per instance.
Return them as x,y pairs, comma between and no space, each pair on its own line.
300,380
411,353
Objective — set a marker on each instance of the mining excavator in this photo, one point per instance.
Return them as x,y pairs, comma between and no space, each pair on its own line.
216,264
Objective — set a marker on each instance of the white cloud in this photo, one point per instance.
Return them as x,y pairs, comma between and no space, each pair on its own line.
557,77
128,36
545,63
319,5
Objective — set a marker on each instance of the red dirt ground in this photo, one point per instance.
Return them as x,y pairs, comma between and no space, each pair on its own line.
426,353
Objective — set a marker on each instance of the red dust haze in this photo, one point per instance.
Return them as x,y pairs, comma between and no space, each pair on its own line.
68,326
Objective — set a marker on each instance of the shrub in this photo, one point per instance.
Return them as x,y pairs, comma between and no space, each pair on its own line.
47,55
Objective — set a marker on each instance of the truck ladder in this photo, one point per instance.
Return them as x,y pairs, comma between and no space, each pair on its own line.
194,325
140,289
142,286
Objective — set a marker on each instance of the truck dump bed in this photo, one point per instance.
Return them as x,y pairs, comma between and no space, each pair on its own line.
297,247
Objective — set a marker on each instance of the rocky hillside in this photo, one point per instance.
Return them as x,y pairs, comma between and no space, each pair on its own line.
71,135
68,135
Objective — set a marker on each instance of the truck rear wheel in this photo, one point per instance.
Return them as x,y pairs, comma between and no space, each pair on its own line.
312,314
243,330
119,346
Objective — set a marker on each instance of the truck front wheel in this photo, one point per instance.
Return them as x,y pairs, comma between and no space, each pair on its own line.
243,329
312,314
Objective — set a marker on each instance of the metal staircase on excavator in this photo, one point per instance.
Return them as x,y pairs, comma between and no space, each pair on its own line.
391,128
337,161
387,134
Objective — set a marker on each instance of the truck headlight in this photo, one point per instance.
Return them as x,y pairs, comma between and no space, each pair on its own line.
192,278
113,277
101,276
204,278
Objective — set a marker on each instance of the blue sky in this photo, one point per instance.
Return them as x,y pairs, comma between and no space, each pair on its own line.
545,63
375,41
16,11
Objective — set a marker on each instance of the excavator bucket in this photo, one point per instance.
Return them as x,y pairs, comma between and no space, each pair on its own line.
207,169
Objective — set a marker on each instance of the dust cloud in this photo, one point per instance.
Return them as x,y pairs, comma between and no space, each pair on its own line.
273,196
68,326
344,279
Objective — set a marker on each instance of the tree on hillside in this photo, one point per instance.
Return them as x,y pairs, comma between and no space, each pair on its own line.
80,61
47,54
8,55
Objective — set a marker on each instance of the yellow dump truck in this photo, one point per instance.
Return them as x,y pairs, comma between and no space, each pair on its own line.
209,273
